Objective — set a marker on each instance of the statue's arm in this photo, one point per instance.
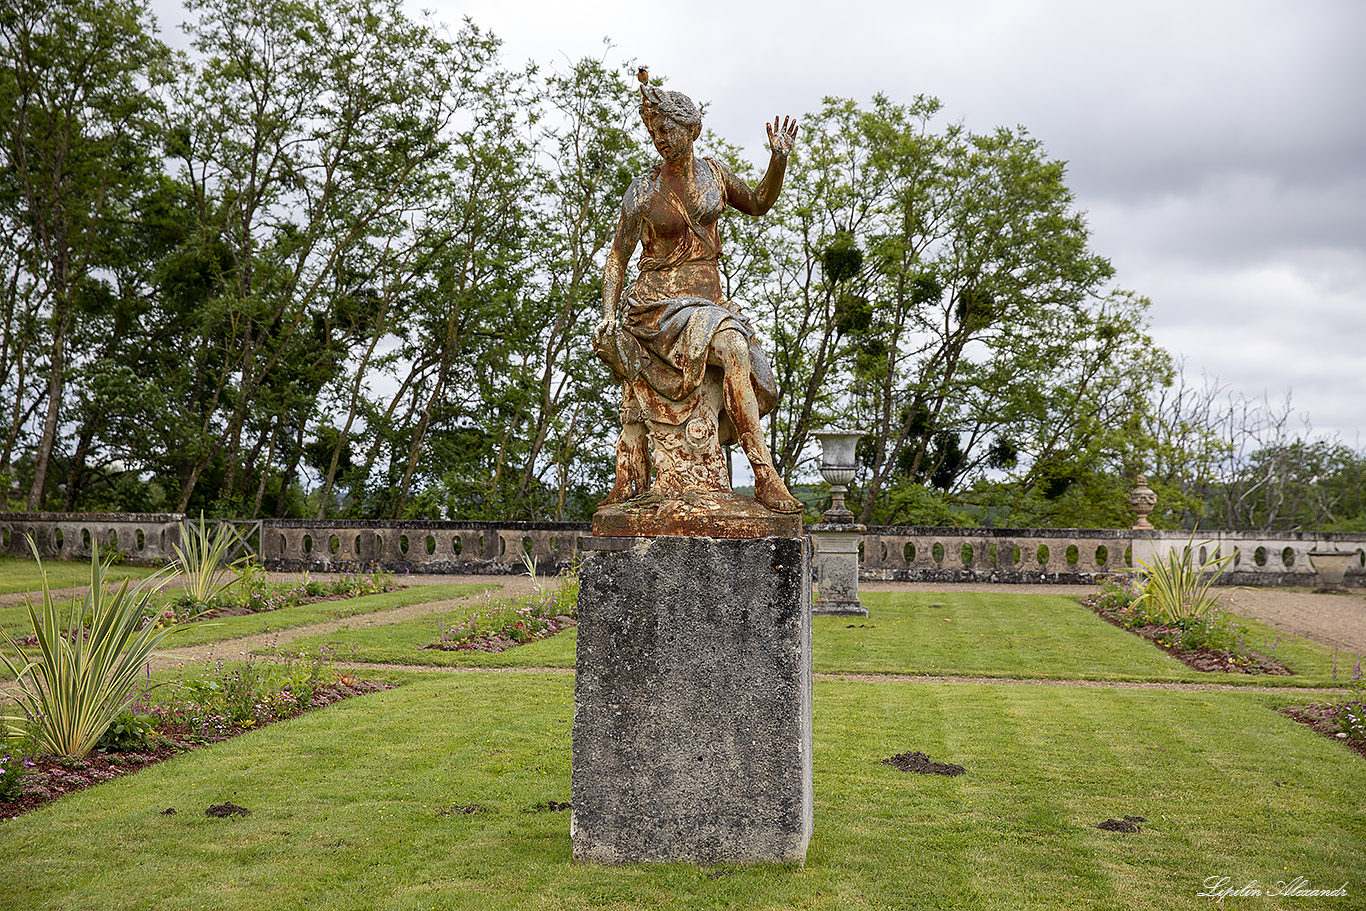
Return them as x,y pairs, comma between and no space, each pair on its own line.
761,198
628,236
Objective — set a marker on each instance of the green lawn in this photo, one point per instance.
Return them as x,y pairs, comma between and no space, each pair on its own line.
317,612
15,618
1003,634
401,643
18,575
346,809
956,633
348,802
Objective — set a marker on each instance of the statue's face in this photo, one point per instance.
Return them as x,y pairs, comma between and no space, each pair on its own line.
671,139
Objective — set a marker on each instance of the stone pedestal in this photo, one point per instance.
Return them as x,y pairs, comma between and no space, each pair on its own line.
692,701
837,547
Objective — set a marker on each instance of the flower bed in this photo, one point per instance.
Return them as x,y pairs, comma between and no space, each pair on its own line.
255,592
1207,642
225,702
1344,721
496,626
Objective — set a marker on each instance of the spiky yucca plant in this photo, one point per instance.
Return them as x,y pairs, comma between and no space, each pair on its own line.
201,556
79,680
1176,588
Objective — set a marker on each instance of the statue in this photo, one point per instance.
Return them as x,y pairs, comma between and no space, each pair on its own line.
693,375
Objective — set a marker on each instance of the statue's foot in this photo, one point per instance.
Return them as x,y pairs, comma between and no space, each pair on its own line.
770,490
619,493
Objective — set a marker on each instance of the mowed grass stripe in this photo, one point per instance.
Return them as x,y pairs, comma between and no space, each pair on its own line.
21,574
1002,634
403,643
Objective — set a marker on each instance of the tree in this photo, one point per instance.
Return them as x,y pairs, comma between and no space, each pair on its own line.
313,136
80,79
937,291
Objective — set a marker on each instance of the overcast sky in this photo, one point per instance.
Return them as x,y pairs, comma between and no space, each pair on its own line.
1219,148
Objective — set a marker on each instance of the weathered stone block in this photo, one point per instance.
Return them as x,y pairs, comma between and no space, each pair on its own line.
837,550
692,702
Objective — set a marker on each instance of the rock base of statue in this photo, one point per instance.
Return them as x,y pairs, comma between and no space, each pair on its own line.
692,701
704,513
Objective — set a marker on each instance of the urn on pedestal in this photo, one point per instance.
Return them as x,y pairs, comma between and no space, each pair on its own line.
837,467
837,535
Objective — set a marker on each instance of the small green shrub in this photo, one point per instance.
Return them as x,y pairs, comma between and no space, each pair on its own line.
1214,631
1351,712
1176,588
13,765
131,731
227,699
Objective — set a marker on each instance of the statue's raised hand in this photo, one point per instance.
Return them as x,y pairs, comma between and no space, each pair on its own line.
782,139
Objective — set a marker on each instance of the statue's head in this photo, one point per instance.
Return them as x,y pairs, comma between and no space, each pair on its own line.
658,105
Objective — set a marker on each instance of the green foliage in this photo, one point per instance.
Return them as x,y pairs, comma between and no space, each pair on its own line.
1137,604
1116,596
359,200
227,699
132,730
254,590
201,557
1214,631
87,663
512,621
81,84
1176,589
13,764
935,288
1351,712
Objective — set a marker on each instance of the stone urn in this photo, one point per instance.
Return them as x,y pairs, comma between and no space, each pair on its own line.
837,467
1331,566
1142,501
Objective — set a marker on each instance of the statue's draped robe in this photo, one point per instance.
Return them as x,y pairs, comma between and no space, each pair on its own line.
672,313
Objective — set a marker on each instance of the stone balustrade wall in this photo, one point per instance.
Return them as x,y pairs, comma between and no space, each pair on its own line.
420,546
1269,559
888,553
1006,555
140,537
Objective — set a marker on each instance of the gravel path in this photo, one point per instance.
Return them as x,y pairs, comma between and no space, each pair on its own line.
1337,621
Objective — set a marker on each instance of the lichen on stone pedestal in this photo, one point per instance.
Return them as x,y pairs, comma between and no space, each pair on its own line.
692,702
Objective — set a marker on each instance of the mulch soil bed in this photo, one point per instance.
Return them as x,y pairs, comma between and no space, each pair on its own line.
1322,717
1203,659
51,777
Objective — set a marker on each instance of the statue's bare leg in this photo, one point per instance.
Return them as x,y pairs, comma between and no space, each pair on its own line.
730,351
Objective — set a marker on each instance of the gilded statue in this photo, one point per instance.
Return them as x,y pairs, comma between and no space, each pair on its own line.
694,377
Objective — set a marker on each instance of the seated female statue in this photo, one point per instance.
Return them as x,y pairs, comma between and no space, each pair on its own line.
694,376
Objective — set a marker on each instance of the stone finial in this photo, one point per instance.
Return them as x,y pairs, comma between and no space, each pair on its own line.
1142,501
